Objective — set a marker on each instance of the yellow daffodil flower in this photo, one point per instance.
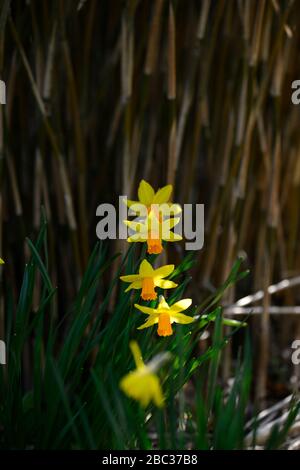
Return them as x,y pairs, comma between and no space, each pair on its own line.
1,261
153,232
143,384
148,278
150,199
165,315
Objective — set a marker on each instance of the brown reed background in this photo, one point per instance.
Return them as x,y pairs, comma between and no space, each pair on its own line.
196,93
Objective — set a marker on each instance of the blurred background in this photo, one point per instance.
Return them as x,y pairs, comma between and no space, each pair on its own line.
195,93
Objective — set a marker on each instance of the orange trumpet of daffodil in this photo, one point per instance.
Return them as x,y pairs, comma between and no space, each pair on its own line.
165,315
148,278
142,384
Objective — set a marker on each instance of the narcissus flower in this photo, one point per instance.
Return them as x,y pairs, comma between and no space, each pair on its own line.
149,278
152,200
165,315
143,384
153,232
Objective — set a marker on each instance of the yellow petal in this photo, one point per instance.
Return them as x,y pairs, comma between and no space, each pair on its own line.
138,209
181,305
147,310
165,284
163,304
136,238
163,271
156,392
146,269
152,320
174,208
172,237
136,226
163,194
181,318
130,278
145,193
167,210
170,223
136,352
134,285
166,226
1,261
143,386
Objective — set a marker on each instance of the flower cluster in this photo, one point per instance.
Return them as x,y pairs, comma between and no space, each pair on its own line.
156,222
153,228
